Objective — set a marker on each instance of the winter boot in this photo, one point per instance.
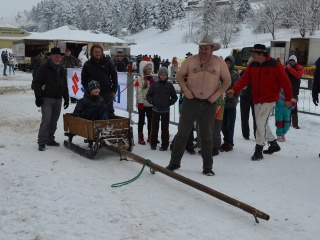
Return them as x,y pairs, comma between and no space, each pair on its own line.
257,155
141,139
273,147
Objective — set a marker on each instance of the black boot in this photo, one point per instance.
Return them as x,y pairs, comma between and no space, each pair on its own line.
273,147
257,153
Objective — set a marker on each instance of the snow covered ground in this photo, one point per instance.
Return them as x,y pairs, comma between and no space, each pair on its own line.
57,194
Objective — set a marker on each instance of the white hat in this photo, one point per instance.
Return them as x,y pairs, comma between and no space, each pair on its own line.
293,57
208,40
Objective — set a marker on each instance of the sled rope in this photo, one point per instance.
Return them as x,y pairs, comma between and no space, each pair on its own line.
133,179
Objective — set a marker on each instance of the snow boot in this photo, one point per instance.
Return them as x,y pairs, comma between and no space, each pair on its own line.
273,147
141,139
257,155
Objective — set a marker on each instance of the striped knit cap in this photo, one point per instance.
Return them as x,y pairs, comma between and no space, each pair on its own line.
93,85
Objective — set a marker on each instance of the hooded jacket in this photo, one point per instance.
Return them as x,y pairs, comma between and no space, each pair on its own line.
295,73
267,79
141,93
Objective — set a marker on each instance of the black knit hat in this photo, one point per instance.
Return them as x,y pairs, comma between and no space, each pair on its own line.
93,85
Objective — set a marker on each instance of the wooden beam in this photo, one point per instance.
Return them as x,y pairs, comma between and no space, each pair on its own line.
245,207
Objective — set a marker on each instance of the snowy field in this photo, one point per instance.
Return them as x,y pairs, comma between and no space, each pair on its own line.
59,195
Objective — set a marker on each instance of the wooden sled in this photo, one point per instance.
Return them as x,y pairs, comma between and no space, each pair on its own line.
115,131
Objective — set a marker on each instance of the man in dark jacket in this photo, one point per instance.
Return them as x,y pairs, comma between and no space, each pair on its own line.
50,86
120,64
294,72
100,69
5,59
246,103
316,83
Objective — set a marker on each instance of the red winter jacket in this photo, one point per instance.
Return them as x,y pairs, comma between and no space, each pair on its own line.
267,79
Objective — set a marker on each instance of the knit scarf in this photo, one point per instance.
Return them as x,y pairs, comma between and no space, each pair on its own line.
56,69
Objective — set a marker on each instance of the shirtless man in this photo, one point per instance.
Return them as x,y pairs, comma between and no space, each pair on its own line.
202,89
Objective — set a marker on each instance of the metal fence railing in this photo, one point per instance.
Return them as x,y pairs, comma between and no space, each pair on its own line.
305,104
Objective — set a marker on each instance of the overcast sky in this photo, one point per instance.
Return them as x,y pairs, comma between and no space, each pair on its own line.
12,7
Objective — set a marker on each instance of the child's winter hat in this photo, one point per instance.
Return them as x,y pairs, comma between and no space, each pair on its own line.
163,70
293,57
93,85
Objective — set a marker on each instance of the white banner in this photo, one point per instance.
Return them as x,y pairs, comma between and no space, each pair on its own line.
76,90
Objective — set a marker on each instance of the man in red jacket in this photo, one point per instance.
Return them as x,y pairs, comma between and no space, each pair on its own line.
267,77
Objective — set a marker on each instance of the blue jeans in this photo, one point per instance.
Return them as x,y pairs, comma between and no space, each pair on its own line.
50,110
5,68
228,122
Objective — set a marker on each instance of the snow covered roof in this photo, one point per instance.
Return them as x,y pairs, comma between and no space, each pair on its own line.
71,34
68,33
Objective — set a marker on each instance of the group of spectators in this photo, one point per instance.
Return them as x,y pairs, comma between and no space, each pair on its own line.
204,79
9,61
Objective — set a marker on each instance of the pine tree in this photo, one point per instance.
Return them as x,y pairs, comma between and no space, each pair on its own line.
179,10
164,18
135,20
244,9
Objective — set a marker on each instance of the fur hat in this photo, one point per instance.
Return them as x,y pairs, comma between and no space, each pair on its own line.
208,40
56,50
163,70
145,65
259,48
93,85
293,57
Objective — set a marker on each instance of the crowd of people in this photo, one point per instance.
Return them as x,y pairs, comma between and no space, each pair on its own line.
211,88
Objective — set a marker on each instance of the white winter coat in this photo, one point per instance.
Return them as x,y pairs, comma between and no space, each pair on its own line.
141,94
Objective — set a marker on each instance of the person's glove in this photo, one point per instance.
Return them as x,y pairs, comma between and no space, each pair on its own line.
315,99
140,106
66,104
38,101
293,103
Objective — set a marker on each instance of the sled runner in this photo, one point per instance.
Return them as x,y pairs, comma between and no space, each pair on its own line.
115,131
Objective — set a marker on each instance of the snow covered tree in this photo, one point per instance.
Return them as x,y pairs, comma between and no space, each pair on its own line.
243,10
209,16
303,15
226,25
164,16
146,16
135,19
179,11
269,14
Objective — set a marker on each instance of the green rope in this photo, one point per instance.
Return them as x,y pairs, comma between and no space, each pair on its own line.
133,179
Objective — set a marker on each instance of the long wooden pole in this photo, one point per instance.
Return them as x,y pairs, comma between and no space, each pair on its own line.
245,207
